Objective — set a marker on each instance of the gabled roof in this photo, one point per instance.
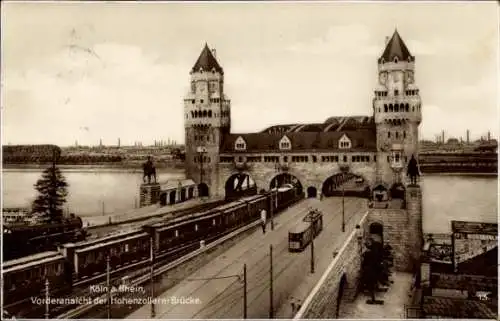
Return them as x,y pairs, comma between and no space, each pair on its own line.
207,61
361,140
396,48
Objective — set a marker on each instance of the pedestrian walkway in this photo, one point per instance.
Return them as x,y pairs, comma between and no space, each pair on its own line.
397,296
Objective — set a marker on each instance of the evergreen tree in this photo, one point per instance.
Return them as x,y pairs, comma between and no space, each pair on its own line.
52,192
376,268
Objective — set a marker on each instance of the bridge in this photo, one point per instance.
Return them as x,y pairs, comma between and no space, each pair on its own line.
458,162
315,283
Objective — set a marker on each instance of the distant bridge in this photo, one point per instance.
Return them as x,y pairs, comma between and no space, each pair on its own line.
458,162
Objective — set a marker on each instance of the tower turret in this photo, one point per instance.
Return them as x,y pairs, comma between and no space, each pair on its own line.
207,118
397,110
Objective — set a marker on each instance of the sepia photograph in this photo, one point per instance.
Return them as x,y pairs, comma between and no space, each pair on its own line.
249,160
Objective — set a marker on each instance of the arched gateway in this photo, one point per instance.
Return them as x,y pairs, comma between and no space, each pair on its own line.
347,184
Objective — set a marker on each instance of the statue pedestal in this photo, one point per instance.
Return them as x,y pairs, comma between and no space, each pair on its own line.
150,194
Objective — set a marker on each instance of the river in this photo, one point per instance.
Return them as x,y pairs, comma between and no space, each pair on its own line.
94,191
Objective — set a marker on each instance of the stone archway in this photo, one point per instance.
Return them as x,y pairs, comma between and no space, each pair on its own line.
286,180
380,193
312,192
171,197
239,185
346,184
203,190
398,191
163,199
342,286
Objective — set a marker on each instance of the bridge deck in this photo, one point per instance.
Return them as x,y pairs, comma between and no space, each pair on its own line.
223,297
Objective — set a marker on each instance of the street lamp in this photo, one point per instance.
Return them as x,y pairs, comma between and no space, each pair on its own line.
276,168
344,170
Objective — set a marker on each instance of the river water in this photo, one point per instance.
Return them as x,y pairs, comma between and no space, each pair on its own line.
94,191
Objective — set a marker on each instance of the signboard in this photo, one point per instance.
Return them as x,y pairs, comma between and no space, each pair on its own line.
471,239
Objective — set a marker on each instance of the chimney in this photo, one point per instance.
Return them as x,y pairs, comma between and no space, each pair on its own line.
214,52
442,136
467,136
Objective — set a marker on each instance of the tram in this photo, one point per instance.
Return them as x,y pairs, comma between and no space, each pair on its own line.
305,231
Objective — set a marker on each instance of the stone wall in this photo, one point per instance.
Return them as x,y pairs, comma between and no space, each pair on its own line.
322,301
403,230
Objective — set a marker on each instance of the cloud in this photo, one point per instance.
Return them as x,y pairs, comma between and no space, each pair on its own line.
353,39
115,90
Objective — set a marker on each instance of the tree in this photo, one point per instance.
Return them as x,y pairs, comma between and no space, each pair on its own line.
52,189
376,268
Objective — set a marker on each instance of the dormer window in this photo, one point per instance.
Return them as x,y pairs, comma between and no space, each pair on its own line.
285,143
396,59
344,142
240,144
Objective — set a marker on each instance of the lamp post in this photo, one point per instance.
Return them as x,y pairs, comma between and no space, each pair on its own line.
276,168
151,244
344,170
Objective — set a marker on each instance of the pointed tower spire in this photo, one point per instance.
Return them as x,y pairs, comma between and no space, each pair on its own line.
396,48
207,61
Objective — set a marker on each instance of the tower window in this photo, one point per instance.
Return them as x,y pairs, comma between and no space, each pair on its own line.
210,113
192,101
396,108
390,108
396,92
404,134
385,107
407,107
201,101
388,134
397,134
345,158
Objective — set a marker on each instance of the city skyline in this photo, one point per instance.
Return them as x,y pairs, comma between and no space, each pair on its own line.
103,80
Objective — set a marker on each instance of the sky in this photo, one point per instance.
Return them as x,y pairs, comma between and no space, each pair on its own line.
89,71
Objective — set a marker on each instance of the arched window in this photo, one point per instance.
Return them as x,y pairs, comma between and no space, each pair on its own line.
204,113
396,108
412,108
210,113
407,107
385,107
192,114
396,59
388,134
390,108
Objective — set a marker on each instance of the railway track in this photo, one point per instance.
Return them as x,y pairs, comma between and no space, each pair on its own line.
139,275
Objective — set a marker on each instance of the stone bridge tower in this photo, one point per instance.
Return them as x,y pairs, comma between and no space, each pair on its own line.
206,121
397,111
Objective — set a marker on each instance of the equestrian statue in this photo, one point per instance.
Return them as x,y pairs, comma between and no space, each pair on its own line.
149,171
413,171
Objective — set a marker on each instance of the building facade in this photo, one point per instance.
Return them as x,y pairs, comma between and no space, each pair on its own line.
369,151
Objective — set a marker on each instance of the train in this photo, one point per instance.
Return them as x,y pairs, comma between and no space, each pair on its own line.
83,262
22,239
303,233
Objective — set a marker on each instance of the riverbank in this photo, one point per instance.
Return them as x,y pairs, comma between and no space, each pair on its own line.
121,167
